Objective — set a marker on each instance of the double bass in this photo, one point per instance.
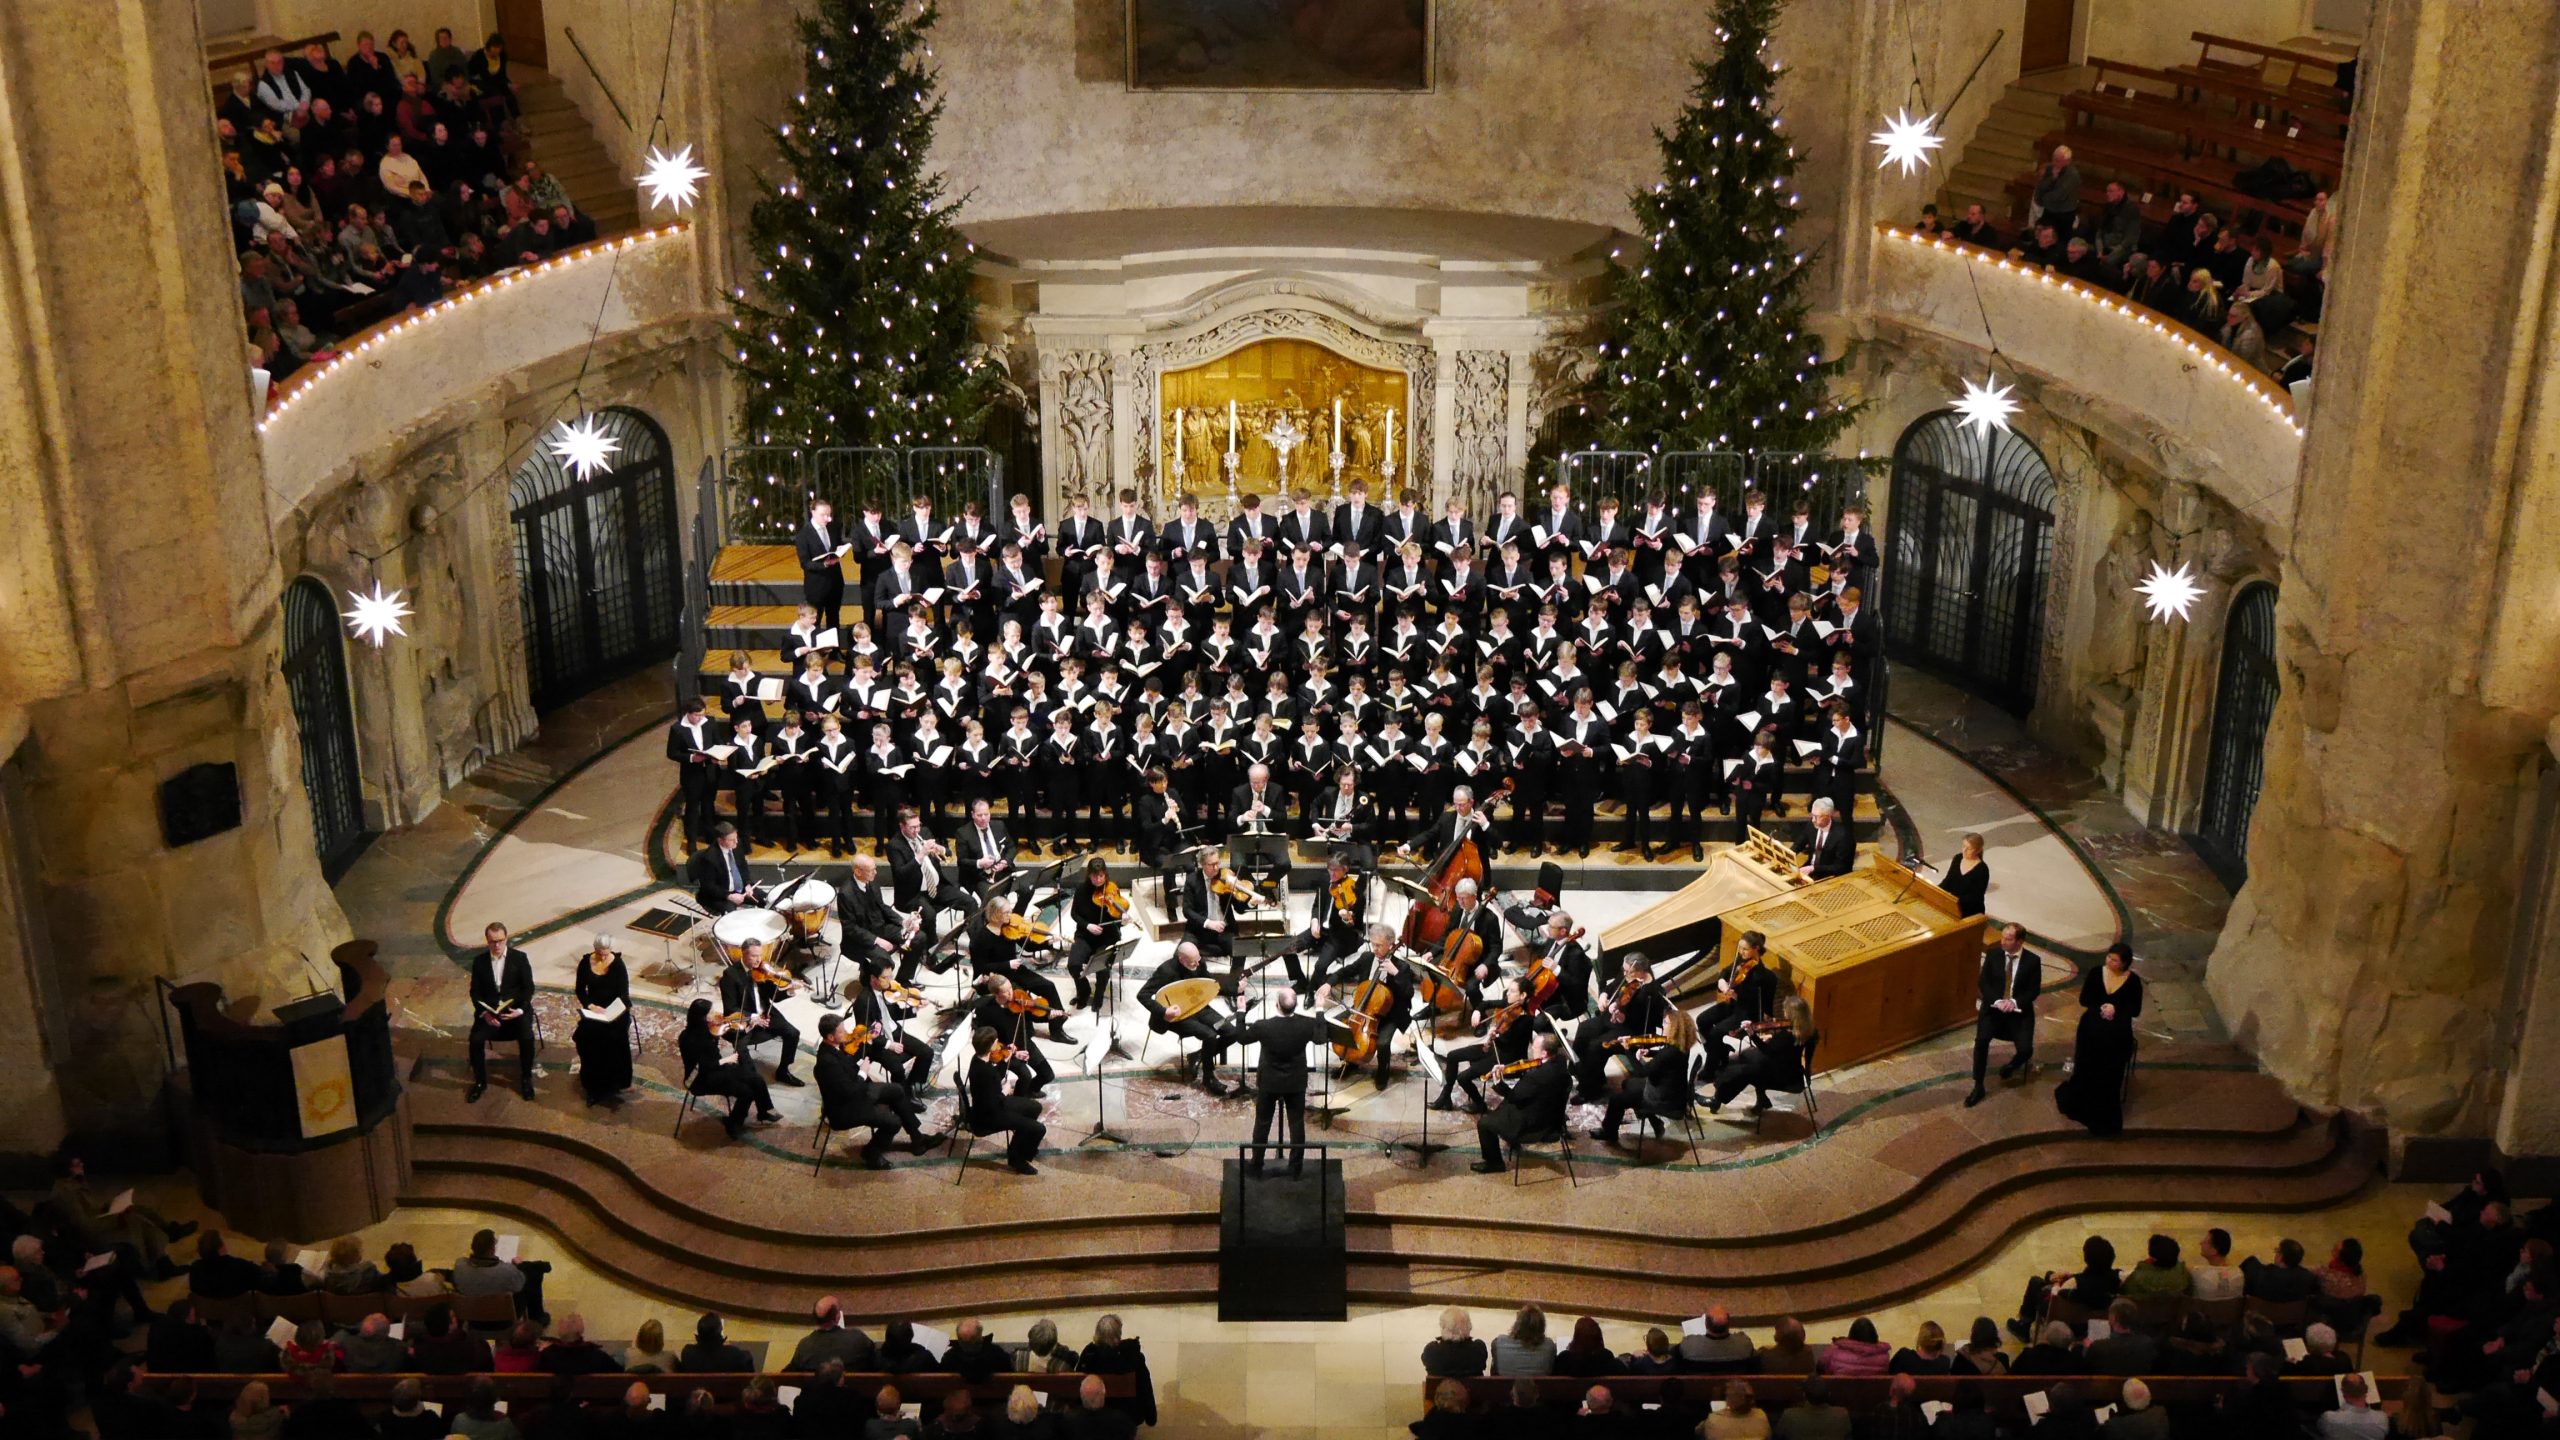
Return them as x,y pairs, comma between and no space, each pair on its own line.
1431,924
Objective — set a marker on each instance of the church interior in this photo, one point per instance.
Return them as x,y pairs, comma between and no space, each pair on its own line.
1071,718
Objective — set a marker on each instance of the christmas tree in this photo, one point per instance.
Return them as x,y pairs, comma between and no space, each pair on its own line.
1707,346
857,327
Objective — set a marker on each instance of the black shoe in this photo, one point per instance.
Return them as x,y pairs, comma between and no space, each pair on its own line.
525,1089
1973,1099
1697,852
1022,1167
785,1077
1253,1168
769,1117
1612,1138
478,1089
1488,1167
181,1231
920,1143
2010,1070
737,1128
1214,1085
1382,1077
1444,1103
2020,1331
873,1160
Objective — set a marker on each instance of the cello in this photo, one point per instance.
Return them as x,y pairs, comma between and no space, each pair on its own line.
1371,1002
1431,924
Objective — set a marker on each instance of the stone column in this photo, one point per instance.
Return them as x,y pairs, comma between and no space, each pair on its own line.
140,614
2366,960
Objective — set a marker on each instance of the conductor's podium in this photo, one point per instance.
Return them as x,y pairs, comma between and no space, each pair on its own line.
1880,954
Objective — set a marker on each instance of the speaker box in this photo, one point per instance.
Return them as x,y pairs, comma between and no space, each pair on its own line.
199,802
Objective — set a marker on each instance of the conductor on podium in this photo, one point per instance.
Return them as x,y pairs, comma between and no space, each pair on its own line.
1280,1077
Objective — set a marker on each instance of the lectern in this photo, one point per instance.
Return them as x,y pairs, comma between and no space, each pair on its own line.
297,1124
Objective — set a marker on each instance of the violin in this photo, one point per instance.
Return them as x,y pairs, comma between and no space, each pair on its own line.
1023,1002
1346,893
1234,889
766,972
850,1038
1001,1054
1110,901
1516,1069
728,1024
1633,1043
899,994
1627,993
1018,928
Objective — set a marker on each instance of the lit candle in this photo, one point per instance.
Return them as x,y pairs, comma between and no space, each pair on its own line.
1231,427
1177,434
1391,434
1337,422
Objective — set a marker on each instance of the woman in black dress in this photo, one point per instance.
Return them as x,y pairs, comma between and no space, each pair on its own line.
1968,878
604,1046
2109,999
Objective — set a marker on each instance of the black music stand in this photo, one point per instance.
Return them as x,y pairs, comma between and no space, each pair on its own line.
1109,1037
1258,852
1424,1148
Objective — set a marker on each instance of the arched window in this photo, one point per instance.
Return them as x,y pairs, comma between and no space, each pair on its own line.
1972,543
2244,699
315,677
597,561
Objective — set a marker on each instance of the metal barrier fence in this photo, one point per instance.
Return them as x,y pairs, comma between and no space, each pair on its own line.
763,492
1825,482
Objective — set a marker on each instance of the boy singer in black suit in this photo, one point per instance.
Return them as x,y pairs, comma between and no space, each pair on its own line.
2012,977
821,568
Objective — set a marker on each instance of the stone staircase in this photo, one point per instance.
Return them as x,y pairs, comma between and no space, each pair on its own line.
568,148
2003,147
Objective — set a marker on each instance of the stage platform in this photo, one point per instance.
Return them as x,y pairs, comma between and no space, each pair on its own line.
1898,1190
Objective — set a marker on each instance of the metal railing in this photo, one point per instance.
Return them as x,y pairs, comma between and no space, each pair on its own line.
761,493
1827,483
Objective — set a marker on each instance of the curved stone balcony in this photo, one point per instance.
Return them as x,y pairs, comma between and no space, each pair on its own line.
2126,367
424,366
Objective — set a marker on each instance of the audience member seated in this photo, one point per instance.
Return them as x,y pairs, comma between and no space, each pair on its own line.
1525,1349
2126,1350
1717,1348
1927,1354
711,1353
1456,1353
2284,1281
1857,1353
218,1274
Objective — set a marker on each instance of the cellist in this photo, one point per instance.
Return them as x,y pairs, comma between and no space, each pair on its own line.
1379,964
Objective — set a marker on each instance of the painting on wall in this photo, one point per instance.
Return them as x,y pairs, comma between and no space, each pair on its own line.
1280,44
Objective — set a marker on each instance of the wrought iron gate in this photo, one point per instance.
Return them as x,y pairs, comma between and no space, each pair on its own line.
2244,699
315,677
1971,545
597,562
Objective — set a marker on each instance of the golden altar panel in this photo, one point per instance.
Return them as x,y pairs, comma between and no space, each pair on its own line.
1270,381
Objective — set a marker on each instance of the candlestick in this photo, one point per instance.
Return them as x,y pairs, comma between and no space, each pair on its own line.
1231,429
1391,440
1177,437
1337,422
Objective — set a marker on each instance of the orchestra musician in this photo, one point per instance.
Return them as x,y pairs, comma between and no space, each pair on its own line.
708,1075
884,1006
921,871
1000,1104
1572,964
1097,912
1657,1079
1007,1013
1159,822
749,987
874,935
1529,1110
1745,993
1334,929
996,943
1280,1075
1380,964
501,1009
1186,964
1828,846
983,852
1772,1054
1444,829
1341,814
1257,801
1502,1038
697,774
722,878
851,1099
1634,1006
1209,907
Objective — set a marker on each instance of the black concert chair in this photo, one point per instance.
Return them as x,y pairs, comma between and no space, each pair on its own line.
961,1129
1563,1141
1803,1092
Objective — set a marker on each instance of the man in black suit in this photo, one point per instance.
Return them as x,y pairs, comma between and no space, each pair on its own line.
2012,977
1333,931
1257,799
741,993
984,854
1530,1113
993,1112
501,1009
721,875
921,870
697,774
850,1099
1444,827
1280,1078
1828,846
821,568
1186,964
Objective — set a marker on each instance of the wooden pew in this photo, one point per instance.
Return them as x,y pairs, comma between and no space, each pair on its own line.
2196,133
535,1389
2004,1396
2248,97
2149,172
223,62
2258,58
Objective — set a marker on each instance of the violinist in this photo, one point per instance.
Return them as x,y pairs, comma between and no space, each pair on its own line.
996,944
1186,964
1562,949
1772,1054
1380,964
1335,924
1209,906
1530,1109
1634,1006
884,1005
1096,912
1657,1080
1503,1039
997,1107
707,1074
1009,1013
753,988
1746,992
852,1100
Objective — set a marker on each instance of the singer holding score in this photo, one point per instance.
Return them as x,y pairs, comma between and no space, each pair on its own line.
501,1009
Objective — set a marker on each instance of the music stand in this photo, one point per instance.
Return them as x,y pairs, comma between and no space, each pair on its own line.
1097,1050
1258,850
1427,1061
